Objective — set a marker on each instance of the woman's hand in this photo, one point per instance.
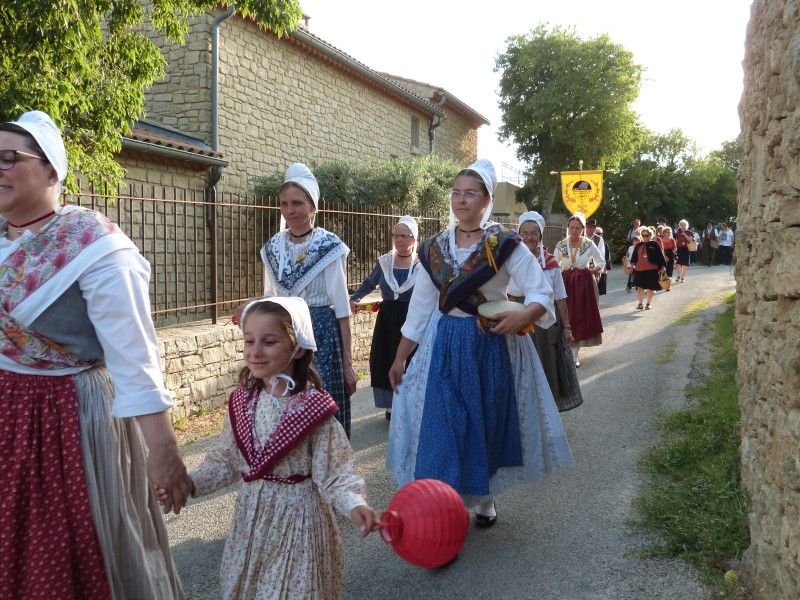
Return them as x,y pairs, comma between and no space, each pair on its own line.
166,472
396,373
353,307
163,497
350,379
510,322
568,339
365,518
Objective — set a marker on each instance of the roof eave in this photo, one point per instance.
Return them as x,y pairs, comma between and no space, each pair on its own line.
159,150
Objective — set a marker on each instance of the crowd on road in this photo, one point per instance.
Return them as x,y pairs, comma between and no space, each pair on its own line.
474,355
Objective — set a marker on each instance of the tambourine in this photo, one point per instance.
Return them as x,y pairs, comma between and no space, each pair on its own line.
488,310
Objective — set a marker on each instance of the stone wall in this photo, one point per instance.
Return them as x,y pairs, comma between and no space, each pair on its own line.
163,173
768,289
201,362
279,103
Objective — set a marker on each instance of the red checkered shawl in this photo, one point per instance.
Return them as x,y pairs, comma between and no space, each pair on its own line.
304,413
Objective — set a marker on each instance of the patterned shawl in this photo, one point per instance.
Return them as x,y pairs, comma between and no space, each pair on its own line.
292,277
306,411
458,286
37,261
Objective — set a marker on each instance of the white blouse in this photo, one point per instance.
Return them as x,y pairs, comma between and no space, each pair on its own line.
522,265
582,255
330,289
116,290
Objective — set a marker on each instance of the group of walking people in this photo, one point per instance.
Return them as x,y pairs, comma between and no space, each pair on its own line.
92,451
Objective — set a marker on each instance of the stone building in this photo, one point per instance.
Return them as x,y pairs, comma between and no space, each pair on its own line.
265,102
768,297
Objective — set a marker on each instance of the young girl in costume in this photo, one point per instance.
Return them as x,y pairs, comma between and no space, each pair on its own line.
281,438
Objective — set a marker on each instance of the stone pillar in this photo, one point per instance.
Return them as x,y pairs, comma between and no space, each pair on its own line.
768,287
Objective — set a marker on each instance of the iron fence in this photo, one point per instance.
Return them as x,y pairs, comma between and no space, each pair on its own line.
204,250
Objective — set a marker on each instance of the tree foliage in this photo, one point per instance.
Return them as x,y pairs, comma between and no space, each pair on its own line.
413,185
566,99
88,63
665,177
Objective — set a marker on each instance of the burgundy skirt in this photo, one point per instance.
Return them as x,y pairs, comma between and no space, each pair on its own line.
584,311
48,544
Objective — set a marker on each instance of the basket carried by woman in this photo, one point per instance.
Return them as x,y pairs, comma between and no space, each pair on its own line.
664,281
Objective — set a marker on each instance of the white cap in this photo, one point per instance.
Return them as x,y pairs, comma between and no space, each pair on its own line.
411,223
301,175
47,135
301,318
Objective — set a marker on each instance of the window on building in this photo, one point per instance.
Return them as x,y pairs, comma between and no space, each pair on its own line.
414,135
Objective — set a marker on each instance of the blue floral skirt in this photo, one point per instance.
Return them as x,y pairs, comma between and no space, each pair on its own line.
475,410
328,360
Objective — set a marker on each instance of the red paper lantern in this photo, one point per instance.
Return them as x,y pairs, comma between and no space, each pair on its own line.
426,523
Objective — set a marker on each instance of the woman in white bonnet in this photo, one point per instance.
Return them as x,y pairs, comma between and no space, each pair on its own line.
394,273
83,407
580,260
474,409
552,343
310,262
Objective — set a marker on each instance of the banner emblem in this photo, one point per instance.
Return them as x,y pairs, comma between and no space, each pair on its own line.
582,191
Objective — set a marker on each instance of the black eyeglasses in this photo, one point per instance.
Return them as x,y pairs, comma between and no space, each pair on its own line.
8,158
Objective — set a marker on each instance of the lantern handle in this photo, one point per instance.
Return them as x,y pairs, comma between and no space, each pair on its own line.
390,525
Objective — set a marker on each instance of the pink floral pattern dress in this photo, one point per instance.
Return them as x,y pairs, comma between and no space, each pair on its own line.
284,542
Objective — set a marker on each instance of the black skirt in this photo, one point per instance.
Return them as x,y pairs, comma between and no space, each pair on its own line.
647,280
683,256
385,339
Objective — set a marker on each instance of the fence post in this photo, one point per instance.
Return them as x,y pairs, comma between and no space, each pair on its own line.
211,217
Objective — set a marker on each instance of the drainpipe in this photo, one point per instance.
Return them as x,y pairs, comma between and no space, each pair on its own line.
436,120
216,170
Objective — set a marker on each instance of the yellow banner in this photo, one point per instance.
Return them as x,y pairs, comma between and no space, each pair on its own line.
582,191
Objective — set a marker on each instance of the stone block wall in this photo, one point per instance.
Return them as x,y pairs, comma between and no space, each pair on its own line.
143,171
201,362
768,297
280,102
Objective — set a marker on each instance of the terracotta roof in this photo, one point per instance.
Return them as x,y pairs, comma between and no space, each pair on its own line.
160,136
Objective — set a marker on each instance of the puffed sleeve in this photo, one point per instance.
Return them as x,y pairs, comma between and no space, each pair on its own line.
528,275
336,285
424,300
222,465
116,290
594,252
333,468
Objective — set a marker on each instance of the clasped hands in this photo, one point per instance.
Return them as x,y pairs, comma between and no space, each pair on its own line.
169,480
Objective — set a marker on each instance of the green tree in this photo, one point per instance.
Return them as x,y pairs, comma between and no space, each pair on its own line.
566,99
664,176
88,63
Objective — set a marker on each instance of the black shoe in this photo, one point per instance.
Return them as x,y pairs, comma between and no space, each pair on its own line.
388,415
485,522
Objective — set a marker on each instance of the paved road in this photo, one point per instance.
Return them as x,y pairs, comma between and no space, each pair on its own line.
566,538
